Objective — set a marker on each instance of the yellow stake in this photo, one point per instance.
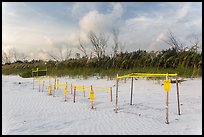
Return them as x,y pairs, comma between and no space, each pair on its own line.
65,92
49,91
91,97
167,98
167,85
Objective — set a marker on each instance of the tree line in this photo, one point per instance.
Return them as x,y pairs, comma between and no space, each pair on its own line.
178,57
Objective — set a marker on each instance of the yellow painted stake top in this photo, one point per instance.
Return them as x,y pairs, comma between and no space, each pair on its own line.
48,90
91,94
65,90
167,85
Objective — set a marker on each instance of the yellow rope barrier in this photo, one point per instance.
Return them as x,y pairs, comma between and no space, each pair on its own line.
145,75
87,88
102,88
37,70
82,88
43,78
61,85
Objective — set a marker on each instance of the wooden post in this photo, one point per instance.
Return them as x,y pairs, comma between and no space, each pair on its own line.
111,99
51,91
131,91
71,88
74,93
53,94
49,82
65,93
37,71
116,100
167,121
54,88
65,97
39,82
46,71
33,79
43,85
92,106
84,91
167,94
57,84
179,113
33,83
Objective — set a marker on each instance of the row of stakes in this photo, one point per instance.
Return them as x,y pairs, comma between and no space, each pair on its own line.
57,85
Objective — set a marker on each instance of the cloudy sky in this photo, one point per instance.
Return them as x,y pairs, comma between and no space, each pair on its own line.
39,28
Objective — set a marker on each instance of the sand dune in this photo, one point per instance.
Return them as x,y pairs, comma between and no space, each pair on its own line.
28,111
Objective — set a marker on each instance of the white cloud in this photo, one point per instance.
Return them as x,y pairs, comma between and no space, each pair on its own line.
183,11
6,48
34,33
100,22
48,40
157,42
117,10
148,29
79,9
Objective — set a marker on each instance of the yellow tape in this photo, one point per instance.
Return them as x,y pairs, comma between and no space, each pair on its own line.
145,75
124,76
61,85
34,71
102,88
79,87
86,88
83,88
39,70
43,78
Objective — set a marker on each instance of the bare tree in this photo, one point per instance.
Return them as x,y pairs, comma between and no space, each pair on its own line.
56,58
68,54
115,47
81,47
12,56
122,47
195,43
6,57
3,60
99,43
174,42
60,54
21,56
15,56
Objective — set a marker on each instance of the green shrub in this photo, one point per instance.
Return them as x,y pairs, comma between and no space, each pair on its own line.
26,74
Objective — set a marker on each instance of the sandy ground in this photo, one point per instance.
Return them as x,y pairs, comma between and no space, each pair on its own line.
28,111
